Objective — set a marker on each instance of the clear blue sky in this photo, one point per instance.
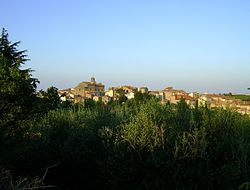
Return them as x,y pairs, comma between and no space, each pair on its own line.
201,45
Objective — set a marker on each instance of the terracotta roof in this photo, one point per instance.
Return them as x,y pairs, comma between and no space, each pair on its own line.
214,95
186,97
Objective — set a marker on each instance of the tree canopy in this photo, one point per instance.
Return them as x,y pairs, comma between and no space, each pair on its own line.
17,92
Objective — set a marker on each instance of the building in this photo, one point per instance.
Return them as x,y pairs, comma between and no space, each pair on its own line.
155,93
110,92
130,95
189,100
143,89
194,95
170,93
204,100
90,89
127,89
106,99
67,94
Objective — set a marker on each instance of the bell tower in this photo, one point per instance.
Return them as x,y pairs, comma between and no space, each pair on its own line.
92,80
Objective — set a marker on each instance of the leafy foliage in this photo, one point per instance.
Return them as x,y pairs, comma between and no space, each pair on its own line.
17,92
48,100
150,149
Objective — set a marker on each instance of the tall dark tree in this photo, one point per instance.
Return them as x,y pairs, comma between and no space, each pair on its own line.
49,99
17,87
9,51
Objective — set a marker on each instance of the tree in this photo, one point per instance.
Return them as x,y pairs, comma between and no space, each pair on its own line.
183,115
17,87
50,99
120,93
122,99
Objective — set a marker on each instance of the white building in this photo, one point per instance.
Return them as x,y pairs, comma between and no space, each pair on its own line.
130,95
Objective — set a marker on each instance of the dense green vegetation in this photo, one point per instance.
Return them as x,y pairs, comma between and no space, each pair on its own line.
242,97
130,144
151,147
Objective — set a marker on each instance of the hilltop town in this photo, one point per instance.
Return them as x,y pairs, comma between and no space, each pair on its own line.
96,91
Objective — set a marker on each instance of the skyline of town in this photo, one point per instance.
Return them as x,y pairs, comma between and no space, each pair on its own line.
193,45
169,95
105,87
152,88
